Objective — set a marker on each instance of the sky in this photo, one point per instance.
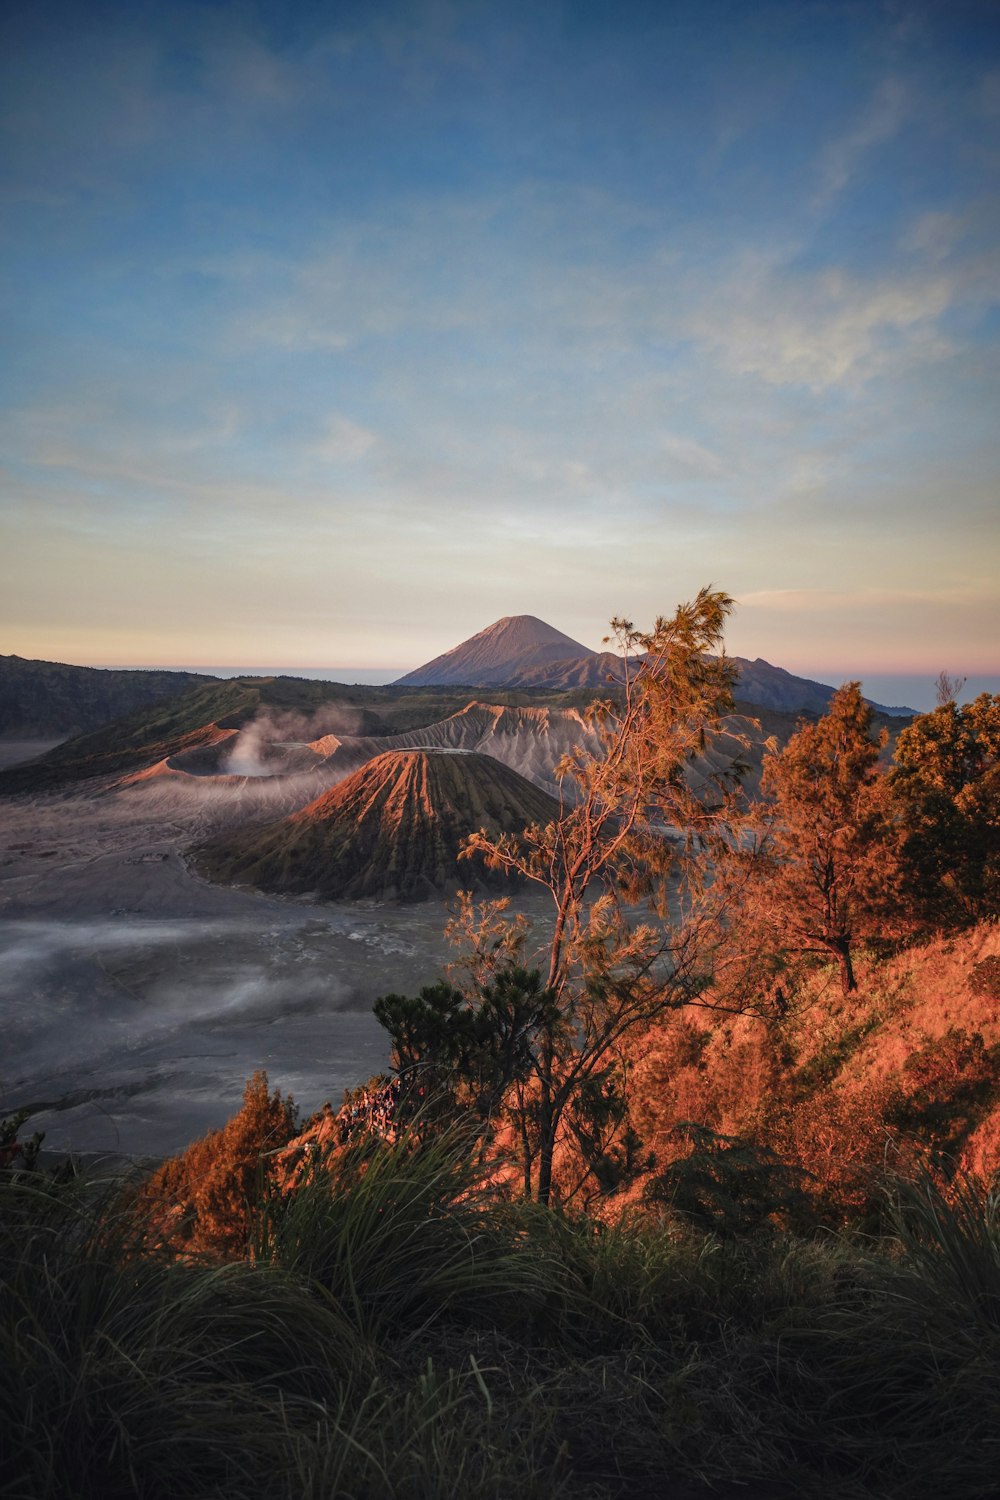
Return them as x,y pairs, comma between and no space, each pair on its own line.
336,331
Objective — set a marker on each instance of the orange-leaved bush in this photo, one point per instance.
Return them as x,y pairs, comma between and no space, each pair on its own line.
204,1200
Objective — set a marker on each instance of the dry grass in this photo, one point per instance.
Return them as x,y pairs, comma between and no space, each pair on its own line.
843,1086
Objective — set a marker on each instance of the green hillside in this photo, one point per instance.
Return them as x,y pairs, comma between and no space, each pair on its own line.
46,699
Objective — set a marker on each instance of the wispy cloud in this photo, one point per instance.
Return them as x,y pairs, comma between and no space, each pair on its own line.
344,441
823,329
842,158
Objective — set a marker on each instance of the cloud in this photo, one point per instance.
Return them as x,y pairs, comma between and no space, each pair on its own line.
690,459
344,441
882,120
823,329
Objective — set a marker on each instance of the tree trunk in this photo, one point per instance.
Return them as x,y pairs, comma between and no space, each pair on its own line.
842,948
546,1145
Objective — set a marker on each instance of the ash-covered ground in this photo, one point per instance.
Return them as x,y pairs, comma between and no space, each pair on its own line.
136,999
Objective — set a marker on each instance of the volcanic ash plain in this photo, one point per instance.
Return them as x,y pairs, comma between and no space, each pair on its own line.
137,998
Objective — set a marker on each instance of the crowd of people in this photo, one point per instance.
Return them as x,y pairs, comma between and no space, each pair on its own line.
371,1111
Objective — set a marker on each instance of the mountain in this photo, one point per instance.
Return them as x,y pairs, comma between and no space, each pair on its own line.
499,654
768,686
523,653
531,741
391,830
207,714
46,699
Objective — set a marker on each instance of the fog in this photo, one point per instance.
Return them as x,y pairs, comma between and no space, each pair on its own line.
137,999
257,749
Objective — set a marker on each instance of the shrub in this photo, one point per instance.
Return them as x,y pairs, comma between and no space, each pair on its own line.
205,1200
985,977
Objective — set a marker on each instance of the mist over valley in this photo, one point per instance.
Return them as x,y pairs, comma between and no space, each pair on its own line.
227,877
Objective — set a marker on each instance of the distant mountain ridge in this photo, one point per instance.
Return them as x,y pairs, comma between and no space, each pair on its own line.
46,699
522,652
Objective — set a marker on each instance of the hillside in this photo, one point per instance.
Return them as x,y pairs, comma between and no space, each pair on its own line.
277,710
522,652
202,716
843,1086
392,830
48,699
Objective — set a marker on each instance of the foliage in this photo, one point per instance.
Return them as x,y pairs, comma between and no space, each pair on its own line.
950,1083
824,875
401,1233
449,1343
946,784
636,825
17,1154
893,1379
985,977
205,1200
462,1049
123,1375
840,1086
730,1185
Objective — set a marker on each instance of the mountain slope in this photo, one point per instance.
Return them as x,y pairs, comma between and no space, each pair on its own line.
531,741
205,715
522,652
513,645
45,699
391,830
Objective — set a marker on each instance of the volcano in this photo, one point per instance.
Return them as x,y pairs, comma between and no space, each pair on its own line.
502,652
522,653
392,830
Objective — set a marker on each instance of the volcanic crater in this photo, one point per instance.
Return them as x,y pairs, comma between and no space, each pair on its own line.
392,830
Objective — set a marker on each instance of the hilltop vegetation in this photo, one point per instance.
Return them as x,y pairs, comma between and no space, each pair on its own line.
705,1204
47,699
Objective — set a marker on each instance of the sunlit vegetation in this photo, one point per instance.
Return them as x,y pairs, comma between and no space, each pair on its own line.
706,1204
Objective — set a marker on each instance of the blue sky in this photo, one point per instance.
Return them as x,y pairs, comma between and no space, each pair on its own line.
335,332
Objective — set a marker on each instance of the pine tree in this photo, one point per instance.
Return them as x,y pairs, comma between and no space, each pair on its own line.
828,878
946,782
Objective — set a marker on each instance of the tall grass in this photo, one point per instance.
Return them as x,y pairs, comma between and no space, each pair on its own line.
441,1434
951,1244
125,1375
404,1233
897,1379
400,1334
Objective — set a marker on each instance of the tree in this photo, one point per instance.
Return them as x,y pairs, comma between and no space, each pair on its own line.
946,784
627,866
457,1049
825,873
205,1199
947,687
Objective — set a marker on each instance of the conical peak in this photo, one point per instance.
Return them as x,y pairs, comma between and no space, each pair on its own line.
498,653
526,630
394,829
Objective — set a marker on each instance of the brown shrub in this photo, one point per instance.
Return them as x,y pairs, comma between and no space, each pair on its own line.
204,1201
